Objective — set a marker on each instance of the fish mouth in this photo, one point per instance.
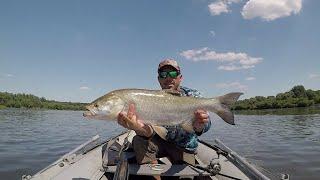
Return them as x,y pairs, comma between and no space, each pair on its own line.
87,114
93,113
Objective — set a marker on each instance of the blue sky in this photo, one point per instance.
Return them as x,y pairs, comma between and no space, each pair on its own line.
78,50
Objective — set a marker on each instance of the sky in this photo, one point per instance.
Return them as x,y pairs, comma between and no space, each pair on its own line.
78,50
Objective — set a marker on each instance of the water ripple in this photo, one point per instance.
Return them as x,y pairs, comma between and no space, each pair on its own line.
32,139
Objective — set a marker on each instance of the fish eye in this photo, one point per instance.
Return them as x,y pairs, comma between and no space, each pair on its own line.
96,105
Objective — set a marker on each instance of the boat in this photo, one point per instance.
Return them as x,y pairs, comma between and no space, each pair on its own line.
114,159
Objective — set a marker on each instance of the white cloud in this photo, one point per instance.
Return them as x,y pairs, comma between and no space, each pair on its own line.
314,76
250,78
192,54
218,7
233,61
232,85
232,67
9,75
84,88
270,9
212,33
221,6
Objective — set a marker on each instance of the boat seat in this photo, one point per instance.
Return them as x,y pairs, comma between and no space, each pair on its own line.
164,168
112,148
161,169
189,158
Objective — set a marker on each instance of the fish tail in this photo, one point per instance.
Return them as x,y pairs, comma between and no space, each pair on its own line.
226,102
230,99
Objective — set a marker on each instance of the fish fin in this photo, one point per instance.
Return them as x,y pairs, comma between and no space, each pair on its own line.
230,99
187,126
226,114
226,101
161,131
173,92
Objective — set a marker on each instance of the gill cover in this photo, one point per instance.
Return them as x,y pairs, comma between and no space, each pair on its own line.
108,107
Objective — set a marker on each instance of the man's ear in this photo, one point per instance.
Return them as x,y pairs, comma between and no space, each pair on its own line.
181,78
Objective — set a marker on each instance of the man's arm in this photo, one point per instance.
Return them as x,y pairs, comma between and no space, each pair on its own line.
129,120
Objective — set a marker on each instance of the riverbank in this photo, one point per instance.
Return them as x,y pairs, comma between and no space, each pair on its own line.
298,96
30,101
53,106
315,109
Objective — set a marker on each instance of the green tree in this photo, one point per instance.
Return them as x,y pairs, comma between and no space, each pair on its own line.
299,91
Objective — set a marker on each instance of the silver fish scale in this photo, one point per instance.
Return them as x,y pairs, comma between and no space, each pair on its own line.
161,108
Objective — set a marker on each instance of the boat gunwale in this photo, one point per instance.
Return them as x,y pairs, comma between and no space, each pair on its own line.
249,171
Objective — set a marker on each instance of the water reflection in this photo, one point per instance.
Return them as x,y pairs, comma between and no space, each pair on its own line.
280,144
32,139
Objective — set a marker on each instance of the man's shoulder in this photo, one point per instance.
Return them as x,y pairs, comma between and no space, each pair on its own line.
190,92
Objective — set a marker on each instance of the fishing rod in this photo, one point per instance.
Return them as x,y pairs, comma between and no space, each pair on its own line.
213,169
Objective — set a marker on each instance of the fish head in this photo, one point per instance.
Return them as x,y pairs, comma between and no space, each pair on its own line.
105,108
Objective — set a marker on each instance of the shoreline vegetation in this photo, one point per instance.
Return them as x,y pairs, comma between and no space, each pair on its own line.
298,96
29,101
314,109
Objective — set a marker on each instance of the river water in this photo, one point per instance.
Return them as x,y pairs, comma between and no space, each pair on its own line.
32,139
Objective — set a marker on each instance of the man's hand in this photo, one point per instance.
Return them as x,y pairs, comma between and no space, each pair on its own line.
129,120
201,118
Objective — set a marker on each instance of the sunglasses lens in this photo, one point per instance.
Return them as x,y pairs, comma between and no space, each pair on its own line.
173,74
163,74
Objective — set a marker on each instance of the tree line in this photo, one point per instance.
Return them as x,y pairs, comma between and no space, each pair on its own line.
31,101
298,96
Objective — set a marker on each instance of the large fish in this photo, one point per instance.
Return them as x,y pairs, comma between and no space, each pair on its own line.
160,107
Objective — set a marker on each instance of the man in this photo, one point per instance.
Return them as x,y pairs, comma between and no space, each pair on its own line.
147,144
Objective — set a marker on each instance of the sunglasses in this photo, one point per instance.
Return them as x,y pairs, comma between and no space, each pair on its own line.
172,74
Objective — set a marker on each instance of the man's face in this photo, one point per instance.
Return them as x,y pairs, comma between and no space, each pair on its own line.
169,82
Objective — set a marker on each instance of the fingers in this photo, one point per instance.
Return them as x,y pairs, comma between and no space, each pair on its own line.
128,119
127,123
200,111
121,118
124,121
201,116
131,111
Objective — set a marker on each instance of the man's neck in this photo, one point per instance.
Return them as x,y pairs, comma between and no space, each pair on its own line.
176,89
